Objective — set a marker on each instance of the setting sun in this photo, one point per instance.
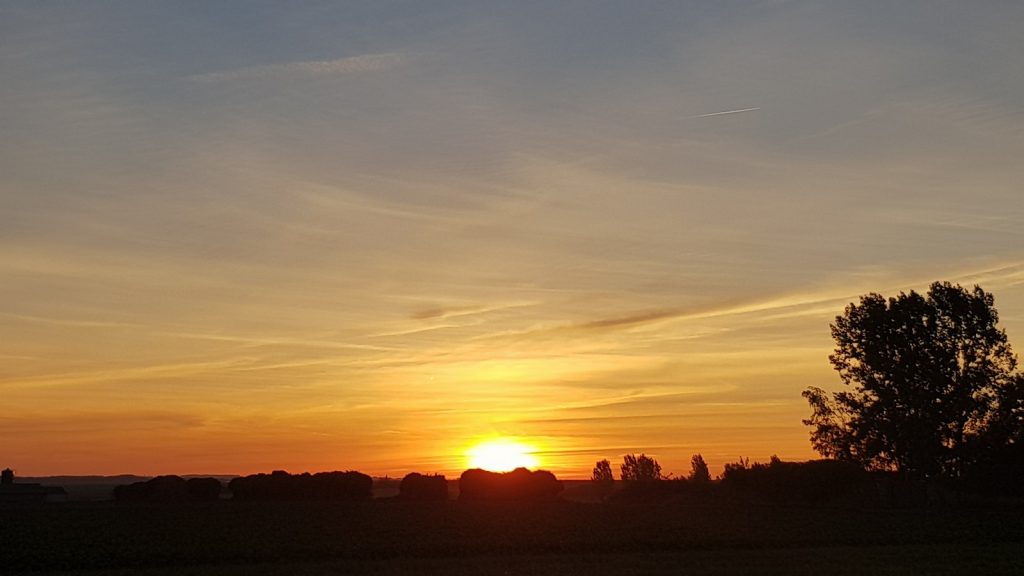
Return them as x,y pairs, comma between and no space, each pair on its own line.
502,456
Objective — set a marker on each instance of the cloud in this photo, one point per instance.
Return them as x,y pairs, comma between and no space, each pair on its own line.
68,322
440,312
726,112
823,301
79,421
793,305
310,68
157,371
252,341
631,320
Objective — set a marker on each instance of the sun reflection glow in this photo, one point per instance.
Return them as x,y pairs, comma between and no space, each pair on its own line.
502,456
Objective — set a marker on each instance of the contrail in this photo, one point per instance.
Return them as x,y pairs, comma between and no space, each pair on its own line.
726,112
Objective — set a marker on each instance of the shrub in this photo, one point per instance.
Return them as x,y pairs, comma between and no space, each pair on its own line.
280,485
417,486
519,484
809,483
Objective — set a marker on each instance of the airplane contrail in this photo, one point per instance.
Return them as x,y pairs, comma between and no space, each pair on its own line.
726,112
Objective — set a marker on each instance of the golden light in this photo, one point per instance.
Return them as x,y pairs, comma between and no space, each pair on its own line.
502,456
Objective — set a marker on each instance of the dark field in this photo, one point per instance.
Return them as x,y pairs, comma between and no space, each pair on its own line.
1002,559
391,537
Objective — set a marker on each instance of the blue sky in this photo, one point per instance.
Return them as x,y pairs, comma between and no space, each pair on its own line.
243,235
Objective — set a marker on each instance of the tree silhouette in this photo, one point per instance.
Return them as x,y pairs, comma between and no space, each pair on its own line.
280,485
602,477
602,473
699,469
169,489
640,468
416,486
207,489
933,384
815,482
519,484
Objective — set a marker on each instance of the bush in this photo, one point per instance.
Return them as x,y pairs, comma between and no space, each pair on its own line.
280,485
417,486
204,489
519,484
808,483
169,489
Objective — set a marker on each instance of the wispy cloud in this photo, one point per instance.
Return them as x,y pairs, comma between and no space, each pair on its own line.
724,112
68,321
631,320
133,373
79,421
792,305
252,341
443,312
352,64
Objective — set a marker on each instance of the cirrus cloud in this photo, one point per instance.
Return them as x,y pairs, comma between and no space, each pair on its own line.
349,65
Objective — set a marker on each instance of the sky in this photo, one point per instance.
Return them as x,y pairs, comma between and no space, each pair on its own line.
245,236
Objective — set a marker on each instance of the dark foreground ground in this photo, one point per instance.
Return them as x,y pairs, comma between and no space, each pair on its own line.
234,538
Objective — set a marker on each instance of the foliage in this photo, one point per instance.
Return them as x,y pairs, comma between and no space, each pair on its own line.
602,478
699,471
810,483
417,486
998,473
206,489
640,468
169,489
519,484
602,473
732,467
280,485
933,384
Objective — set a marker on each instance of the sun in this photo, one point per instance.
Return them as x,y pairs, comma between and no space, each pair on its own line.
502,456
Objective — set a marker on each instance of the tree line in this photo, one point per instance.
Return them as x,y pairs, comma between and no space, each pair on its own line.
351,486
933,402
816,482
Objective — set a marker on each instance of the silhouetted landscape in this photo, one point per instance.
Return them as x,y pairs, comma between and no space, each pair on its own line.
775,518
926,474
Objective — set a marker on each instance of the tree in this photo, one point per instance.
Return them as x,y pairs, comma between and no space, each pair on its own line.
416,486
640,468
519,484
602,477
699,469
932,384
602,473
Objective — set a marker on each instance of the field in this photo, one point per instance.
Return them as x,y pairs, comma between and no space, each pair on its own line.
391,537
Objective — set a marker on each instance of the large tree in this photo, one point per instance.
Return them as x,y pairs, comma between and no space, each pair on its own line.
932,384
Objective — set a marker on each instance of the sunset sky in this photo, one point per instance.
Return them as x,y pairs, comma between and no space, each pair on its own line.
245,236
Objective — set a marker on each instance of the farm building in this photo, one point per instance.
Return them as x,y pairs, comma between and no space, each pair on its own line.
13,492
